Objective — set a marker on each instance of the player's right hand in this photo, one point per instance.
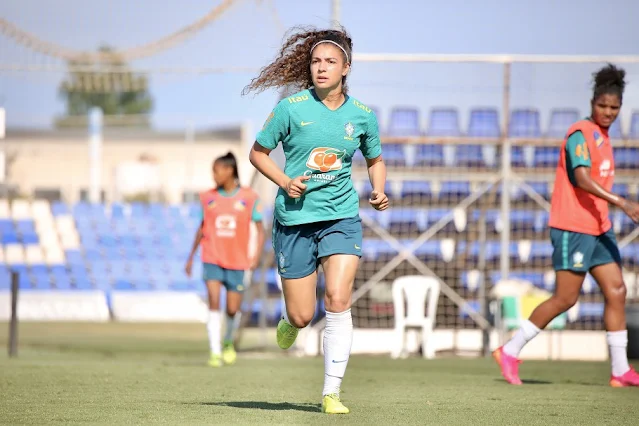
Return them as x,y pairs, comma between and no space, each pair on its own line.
632,210
296,187
188,267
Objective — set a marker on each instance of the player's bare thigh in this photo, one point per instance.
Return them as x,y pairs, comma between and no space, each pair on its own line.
340,270
299,295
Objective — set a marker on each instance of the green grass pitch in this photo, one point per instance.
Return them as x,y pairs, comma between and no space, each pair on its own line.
157,373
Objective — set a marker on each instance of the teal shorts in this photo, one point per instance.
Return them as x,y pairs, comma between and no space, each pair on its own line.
299,248
574,251
232,279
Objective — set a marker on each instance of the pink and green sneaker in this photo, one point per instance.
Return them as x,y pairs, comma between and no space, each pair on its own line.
630,378
509,366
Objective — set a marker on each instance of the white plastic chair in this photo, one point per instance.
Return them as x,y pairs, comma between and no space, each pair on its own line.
414,291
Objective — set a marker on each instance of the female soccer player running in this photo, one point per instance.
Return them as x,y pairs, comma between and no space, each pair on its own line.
227,212
581,232
316,208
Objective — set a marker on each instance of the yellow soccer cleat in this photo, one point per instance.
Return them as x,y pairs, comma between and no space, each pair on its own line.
215,360
331,404
228,353
286,334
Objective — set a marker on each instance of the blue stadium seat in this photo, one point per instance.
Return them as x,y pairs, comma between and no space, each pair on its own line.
434,215
560,122
546,156
416,188
626,158
524,123
41,282
373,249
622,189
9,237
614,133
540,188
484,122
469,156
634,126
401,219
24,282
621,222
490,249
541,221
429,155
30,238
454,189
394,154
491,217
358,158
430,250
59,208
541,253
591,310
404,121
523,219
518,157
443,122
39,270
5,279
62,283
6,225
25,226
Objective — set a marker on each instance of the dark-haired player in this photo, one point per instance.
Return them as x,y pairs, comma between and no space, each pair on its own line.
227,213
581,233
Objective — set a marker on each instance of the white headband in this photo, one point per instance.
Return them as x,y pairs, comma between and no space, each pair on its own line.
336,44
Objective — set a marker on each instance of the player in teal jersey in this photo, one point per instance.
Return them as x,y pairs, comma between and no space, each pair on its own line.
316,208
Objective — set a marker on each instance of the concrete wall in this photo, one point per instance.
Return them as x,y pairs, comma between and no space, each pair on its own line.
58,161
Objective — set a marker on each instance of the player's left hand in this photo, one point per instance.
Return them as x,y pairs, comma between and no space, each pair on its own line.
255,262
378,200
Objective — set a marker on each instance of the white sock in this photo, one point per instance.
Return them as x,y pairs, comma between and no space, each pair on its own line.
618,342
525,334
338,338
214,329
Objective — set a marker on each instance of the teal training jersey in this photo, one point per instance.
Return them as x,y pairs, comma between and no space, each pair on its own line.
572,159
320,143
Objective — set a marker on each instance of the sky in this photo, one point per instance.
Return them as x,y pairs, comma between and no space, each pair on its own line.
249,34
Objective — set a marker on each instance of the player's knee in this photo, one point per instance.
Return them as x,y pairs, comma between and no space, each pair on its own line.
337,303
231,311
300,319
565,302
616,293
214,304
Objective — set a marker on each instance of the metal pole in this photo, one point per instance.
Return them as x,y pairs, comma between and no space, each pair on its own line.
13,324
95,155
189,141
335,13
481,266
504,264
3,155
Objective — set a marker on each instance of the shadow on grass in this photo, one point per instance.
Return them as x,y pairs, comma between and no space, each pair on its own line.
529,382
262,405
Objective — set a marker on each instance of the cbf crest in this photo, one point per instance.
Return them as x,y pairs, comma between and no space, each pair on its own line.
349,129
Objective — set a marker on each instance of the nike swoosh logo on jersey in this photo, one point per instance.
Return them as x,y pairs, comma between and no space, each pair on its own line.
306,123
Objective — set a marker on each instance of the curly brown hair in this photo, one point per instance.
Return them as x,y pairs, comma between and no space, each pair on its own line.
292,65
